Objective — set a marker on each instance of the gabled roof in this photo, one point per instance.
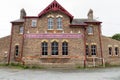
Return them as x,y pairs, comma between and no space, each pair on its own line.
55,6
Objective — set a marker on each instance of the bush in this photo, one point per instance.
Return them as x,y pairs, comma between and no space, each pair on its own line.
116,37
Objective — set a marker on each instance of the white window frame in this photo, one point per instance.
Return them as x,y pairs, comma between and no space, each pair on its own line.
59,23
44,48
34,23
65,48
50,23
90,30
21,29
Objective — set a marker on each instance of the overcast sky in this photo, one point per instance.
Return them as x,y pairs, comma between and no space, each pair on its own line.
107,11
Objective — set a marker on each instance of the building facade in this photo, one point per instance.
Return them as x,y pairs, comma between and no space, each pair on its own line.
55,39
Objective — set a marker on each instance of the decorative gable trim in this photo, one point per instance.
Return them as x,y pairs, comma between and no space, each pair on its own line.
55,6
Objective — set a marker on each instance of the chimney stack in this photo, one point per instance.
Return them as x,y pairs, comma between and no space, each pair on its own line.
22,13
90,14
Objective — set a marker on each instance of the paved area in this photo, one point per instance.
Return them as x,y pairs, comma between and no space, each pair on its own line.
93,74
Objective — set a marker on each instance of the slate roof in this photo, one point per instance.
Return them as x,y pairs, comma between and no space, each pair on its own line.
18,21
82,21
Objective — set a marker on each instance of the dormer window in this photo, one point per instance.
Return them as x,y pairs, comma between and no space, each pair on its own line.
90,30
59,23
21,29
34,23
50,23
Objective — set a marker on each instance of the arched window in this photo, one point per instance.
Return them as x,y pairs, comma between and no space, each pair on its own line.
44,48
59,23
21,29
93,49
87,50
64,48
50,23
116,50
54,48
16,50
110,50
90,30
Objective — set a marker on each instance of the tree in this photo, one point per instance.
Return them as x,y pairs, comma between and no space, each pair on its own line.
116,37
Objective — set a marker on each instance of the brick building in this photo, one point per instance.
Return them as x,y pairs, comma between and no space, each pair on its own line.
55,39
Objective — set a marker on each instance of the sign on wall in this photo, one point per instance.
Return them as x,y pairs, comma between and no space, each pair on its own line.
65,35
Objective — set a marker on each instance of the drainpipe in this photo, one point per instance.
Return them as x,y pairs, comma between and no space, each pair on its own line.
11,36
84,48
23,42
99,31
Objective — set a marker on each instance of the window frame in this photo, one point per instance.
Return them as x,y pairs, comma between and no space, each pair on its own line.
64,48
116,51
21,30
93,49
34,23
16,50
44,46
54,48
50,23
110,51
90,30
59,23
87,49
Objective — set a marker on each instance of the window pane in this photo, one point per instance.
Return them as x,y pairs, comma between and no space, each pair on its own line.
116,51
93,49
44,48
34,23
21,30
16,50
59,23
65,48
54,48
87,50
110,50
50,23
90,30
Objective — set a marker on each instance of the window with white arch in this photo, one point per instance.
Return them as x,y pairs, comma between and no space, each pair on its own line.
44,48
50,23
59,23
116,50
54,46
64,48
